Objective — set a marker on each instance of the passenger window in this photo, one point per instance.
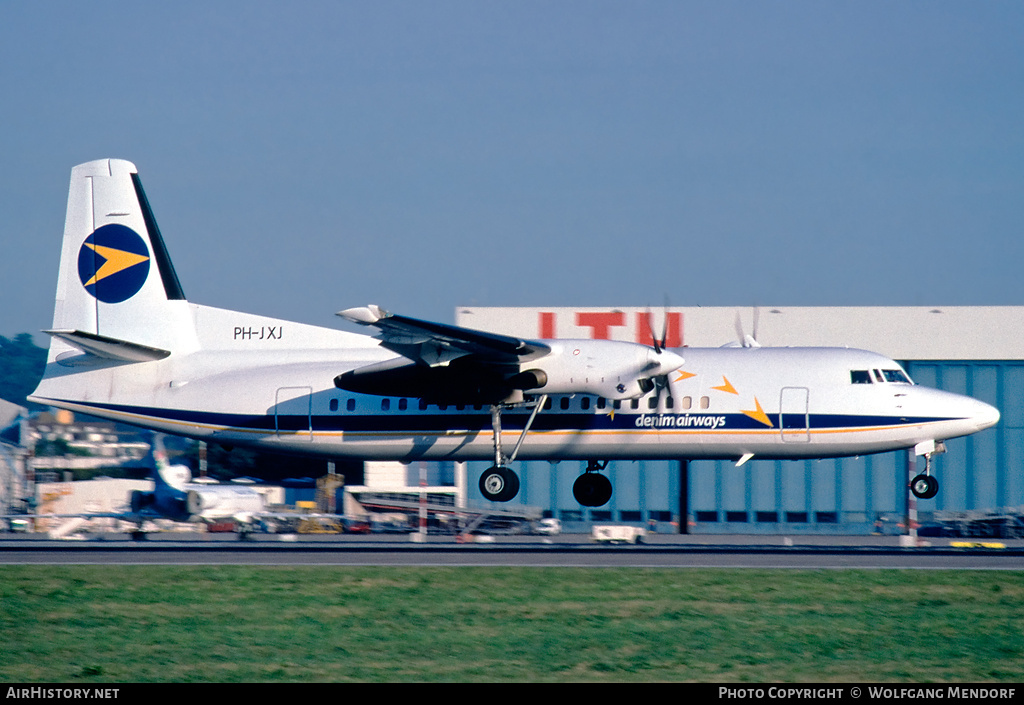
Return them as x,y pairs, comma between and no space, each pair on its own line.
617,404
350,405
585,403
705,402
601,402
669,402
385,404
334,404
634,404
423,404
652,403
403,404
687,402
565,403
547,404
860,377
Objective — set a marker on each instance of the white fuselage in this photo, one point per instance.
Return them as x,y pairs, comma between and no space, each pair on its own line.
268,383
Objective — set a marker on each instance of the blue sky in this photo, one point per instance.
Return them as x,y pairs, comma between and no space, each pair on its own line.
306,157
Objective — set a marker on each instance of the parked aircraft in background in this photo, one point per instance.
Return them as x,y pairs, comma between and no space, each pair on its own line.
176,498
127,345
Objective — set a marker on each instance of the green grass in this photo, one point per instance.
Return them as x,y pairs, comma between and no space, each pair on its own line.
233,623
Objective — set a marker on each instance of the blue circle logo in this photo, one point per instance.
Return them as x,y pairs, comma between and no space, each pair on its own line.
113,263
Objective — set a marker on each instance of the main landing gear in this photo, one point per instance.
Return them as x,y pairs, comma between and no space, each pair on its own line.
500,484
925,485
592,489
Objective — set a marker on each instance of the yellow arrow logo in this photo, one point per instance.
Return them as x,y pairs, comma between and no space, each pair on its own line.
727,387
759,415
116,261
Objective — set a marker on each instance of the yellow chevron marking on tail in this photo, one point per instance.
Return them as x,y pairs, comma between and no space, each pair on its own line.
116,261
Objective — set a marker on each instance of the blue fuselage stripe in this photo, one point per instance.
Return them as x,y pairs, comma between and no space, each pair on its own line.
415,421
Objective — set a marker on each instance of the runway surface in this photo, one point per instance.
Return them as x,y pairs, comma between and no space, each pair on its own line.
808,553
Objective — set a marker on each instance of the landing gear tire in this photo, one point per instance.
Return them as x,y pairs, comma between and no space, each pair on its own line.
499,484
592,490
924,486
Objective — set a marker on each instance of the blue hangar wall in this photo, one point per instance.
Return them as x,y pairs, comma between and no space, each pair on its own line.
980,473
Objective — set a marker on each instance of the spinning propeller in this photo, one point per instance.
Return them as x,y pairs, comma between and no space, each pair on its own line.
660,382
743,340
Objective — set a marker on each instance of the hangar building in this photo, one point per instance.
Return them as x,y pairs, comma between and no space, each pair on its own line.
976,351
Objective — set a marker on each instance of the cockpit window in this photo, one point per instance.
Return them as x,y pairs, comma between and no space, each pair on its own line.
879,376
898,376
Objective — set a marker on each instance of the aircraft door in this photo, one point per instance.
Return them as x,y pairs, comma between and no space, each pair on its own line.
293,412
794,415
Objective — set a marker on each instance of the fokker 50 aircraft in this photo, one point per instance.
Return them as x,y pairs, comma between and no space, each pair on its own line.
127,345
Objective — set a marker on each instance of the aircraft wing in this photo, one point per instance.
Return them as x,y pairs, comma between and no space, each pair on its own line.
438,343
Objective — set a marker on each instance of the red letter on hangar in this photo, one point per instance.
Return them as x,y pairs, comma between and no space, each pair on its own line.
600,322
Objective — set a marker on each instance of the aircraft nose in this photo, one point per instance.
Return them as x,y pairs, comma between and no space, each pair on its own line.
985,416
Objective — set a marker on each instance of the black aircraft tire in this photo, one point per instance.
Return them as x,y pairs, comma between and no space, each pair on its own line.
924,486
499,484
592,489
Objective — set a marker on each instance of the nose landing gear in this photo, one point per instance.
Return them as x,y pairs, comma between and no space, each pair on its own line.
925,485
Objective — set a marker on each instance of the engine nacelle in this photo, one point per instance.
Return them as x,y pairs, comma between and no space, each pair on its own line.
193,502
606,368
461,381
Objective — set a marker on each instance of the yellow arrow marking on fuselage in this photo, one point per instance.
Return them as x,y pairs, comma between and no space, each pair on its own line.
759,415
684,375
116,261
727,387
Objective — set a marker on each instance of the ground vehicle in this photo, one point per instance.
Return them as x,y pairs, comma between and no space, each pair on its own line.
548,527
609,533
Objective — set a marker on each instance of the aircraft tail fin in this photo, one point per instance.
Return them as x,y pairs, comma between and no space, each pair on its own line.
118,296
163,473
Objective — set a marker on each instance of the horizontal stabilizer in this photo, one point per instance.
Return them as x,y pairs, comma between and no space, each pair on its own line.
109,348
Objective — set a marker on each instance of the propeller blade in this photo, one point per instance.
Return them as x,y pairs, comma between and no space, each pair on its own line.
664,324
658,342
747,341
